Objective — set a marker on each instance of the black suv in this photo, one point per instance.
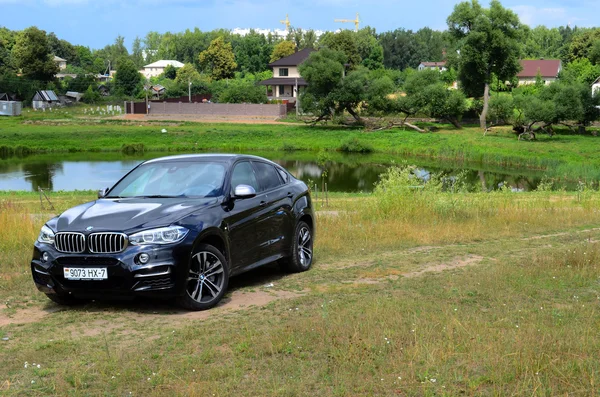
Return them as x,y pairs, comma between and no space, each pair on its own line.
177,227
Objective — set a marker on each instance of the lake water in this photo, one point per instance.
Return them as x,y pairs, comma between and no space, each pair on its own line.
343,173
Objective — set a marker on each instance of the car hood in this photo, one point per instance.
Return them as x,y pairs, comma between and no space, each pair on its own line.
127,215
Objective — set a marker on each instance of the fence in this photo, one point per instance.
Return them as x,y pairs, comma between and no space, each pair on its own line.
208,109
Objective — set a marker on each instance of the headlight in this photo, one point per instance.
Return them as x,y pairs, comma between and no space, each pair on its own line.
46,235
163,235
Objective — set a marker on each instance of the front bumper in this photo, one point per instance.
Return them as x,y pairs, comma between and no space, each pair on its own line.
163,276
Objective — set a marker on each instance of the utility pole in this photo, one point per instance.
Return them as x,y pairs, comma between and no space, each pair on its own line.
297,98
190,90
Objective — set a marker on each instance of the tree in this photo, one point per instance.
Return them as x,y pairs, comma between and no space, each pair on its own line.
186,74
218,59
325,96
243,92
252,53
7,41
488,40
580,71
170,72
33,55
282,49
427,94
127,79
541,42
583,43
136,53
344,41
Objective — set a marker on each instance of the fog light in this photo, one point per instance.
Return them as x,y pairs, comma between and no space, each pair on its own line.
45,257
144,258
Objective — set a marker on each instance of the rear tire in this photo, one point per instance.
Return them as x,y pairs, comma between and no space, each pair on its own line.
302,250
207,279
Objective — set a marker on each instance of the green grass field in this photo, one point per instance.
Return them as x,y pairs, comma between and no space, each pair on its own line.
412,293
564,155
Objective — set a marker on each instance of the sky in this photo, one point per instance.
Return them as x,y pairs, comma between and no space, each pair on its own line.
96,23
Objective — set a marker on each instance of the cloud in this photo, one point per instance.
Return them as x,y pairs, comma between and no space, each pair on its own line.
549,16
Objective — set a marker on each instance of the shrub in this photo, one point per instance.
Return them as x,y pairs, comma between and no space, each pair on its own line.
354,145
132,148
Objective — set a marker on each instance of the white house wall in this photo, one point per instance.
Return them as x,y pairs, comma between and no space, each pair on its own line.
292,71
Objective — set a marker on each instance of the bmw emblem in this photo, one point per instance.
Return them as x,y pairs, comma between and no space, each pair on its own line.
89,228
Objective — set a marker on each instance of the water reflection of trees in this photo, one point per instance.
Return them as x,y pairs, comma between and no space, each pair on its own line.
41,174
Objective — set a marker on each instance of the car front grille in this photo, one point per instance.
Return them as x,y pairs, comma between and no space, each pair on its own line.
107,243
97,243
70,242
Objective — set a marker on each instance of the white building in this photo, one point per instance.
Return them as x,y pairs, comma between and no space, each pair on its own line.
158,67
596,87
286,80
441,66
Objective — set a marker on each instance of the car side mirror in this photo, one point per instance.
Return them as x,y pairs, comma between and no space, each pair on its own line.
244,192
102,192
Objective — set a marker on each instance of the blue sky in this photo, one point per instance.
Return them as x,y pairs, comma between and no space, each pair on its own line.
97,23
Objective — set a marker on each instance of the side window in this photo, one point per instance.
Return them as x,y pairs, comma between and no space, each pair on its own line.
284,176
243,174
268,177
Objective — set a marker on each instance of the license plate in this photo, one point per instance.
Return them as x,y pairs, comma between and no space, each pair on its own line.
79,273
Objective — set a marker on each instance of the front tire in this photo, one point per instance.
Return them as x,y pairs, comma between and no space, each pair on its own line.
302,250
207,279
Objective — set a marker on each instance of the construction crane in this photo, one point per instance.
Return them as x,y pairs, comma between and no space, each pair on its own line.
355,21
286,22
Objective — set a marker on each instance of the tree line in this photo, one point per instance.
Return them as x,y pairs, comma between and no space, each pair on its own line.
358,73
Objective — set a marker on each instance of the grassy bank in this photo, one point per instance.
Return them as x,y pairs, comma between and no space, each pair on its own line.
413,293
562,155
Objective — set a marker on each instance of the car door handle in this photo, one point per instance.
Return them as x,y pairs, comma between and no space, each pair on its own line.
290,194
263,203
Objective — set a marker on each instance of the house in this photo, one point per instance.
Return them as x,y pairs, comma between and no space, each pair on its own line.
45,99
103,90
441,66
595,87
8,107
548,69
74,95
62,63
286,80
158,67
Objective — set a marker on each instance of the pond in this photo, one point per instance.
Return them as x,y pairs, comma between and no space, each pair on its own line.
342,173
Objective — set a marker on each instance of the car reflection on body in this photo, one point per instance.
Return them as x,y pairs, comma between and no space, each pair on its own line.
177,227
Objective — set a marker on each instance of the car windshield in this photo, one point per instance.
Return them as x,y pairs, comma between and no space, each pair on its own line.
172,179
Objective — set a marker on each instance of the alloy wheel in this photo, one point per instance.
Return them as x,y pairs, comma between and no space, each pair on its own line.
206,278
305,246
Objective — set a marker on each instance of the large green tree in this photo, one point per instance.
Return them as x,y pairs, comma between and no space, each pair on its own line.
33,55
488,41
127,79
218,59
7,41
344,41
252,53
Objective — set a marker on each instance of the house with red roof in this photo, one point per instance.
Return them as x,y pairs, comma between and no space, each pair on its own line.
548,69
